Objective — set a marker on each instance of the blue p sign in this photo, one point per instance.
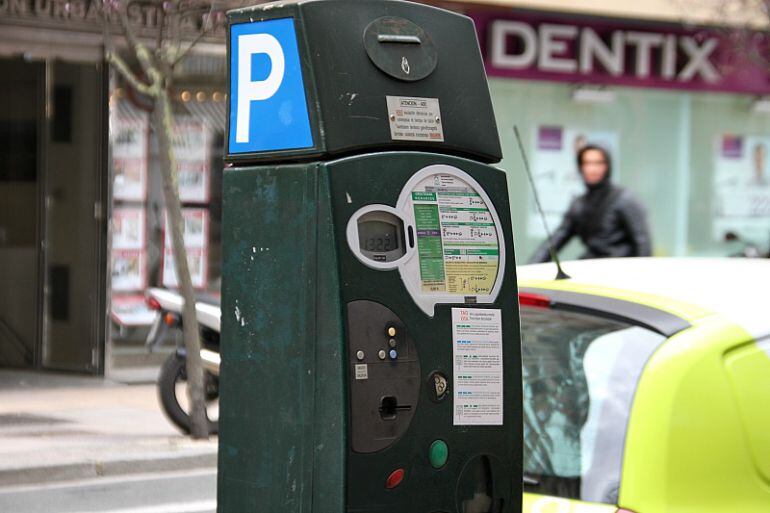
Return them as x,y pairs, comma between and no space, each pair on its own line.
268,108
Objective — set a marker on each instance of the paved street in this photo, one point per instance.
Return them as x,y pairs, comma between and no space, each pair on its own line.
170,492
74,444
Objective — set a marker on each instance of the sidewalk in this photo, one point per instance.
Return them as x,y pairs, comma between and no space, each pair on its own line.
59,427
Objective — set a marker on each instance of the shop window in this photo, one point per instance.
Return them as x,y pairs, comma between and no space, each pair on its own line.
142,253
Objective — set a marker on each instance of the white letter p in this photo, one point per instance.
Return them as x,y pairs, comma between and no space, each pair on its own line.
248,90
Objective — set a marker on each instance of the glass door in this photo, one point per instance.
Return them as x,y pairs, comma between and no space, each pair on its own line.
73,264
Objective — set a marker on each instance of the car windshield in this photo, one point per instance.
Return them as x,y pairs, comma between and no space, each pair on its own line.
580,375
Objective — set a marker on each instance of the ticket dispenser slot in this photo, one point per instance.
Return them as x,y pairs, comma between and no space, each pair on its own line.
384,376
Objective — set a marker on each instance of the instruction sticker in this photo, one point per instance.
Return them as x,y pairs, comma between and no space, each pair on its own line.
414,119
457,243
362,371
477,356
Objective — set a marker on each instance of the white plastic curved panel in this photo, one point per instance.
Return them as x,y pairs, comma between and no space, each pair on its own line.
460,248
454,247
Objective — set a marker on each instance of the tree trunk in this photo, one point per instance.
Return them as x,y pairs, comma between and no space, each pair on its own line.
195,392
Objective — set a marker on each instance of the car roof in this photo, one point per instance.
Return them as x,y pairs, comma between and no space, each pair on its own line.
735,288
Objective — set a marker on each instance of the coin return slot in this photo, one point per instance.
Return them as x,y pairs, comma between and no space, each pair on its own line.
389,407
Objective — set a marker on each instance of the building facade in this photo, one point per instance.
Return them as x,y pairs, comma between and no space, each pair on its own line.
82,223
681,105
675,98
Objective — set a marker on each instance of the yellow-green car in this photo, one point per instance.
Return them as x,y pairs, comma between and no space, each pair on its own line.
647,386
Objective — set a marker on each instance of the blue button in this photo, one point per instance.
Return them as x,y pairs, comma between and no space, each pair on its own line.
393,354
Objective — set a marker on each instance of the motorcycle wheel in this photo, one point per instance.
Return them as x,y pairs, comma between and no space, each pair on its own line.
172,392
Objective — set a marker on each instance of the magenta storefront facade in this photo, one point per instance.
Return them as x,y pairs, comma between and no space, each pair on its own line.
681,108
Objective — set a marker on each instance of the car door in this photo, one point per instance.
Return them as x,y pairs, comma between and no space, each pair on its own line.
581,367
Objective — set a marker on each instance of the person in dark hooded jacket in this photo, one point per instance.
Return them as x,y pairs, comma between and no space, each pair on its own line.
609,219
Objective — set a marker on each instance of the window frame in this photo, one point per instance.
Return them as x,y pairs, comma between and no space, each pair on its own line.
636,314
633,314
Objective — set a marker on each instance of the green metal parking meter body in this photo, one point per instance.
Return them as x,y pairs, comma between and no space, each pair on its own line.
370,332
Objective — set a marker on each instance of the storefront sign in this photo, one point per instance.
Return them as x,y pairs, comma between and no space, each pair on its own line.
90,14
607,51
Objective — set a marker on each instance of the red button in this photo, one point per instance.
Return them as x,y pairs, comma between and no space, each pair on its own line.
395,478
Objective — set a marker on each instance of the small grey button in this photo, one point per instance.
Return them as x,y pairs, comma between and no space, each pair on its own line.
382,354
392,342
360,355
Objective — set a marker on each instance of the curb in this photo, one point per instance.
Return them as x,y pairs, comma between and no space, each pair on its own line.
109,468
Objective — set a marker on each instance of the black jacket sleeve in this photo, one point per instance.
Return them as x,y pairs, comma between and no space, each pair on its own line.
634,218
560,237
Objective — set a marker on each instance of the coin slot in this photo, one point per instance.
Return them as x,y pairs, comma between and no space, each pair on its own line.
396,38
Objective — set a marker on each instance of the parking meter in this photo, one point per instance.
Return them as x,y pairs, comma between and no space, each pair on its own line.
370,332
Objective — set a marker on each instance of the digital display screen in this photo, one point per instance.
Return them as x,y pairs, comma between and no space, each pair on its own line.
378,236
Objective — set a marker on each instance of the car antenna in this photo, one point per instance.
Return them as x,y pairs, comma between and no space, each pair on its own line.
560,274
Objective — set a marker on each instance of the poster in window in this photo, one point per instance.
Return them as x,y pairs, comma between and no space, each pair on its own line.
197,261
131,310
195,230
129,158
555,172
129,269
742,188
195,233
128,228
191,145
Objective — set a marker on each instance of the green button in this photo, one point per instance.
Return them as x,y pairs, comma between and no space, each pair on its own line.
439,452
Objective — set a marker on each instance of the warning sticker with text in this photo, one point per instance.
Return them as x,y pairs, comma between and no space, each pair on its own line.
477,356
414,119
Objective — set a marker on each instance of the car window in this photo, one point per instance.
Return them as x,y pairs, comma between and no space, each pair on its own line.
580,373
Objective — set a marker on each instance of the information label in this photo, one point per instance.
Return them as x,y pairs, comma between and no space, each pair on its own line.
477,356
414,119
362,371
456,237
741,190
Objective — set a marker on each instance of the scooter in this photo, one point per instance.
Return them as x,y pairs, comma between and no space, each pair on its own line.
172,379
